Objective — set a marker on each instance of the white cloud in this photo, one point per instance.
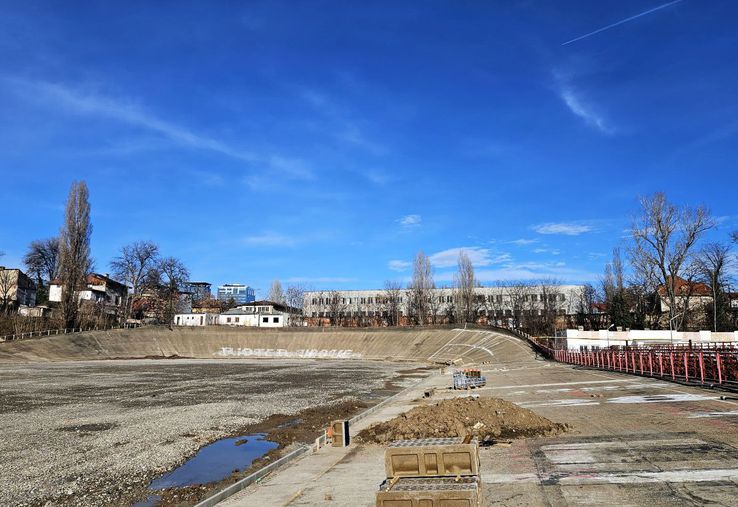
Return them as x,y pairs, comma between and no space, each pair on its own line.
584,111
125,111
397,265
567,229
527,271
320,279
578,105
477,255
410,221
271,239
523,241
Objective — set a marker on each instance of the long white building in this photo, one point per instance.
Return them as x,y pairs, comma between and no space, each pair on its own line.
491,303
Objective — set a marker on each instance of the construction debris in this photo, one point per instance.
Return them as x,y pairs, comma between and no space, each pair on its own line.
486,419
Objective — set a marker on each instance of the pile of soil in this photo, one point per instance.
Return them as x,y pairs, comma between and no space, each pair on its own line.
484,418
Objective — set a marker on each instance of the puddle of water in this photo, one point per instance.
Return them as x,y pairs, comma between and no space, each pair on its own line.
216,461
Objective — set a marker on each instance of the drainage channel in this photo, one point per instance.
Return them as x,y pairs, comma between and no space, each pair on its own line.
212,463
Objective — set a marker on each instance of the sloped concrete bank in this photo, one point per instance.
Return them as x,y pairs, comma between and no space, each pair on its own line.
431,345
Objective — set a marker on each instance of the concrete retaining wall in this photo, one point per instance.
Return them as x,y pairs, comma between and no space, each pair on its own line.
436,345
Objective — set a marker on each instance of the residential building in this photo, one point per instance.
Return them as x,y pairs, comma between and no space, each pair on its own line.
199,290
16,289
240,293
196,319
254,314
99,289
689,295
259,314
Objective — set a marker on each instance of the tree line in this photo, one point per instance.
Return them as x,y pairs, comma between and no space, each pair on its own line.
668,276
154,281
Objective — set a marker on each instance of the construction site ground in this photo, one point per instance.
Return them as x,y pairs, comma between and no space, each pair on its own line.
632,441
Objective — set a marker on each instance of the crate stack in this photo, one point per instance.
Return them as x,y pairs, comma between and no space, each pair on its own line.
431,472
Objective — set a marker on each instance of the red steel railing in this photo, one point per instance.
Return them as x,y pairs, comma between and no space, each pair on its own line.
701,364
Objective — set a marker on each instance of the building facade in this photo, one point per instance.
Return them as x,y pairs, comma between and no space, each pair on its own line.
16,289
199,290
240,293
504,306
99,289
255,314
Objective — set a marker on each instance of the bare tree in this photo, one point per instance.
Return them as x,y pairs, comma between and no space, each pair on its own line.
42,262
275,292
172,275
465,282
336,308
7,288
393,295
295,295
74,250
421,287
713,262
664,236
134,267
515,292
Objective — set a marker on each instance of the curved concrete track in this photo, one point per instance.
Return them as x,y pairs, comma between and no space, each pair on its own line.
435,345
633,441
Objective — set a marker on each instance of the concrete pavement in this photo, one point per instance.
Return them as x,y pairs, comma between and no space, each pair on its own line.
634,441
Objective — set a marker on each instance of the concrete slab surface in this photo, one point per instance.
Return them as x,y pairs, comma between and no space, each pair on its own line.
634,441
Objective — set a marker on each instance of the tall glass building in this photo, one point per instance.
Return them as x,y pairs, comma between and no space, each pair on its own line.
241,293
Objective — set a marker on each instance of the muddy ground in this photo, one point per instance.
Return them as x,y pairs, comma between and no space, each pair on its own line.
485,419
96,433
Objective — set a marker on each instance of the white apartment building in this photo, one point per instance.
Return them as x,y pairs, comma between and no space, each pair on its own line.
492,303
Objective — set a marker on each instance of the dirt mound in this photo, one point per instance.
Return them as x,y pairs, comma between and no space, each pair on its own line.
484,418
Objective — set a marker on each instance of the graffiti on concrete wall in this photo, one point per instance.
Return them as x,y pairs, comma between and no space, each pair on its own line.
289,354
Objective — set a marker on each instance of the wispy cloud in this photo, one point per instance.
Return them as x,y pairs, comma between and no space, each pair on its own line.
527,271
397,265
564,228
477,255
551,251
271,239
410,221
320,279
524,241
339,123
622,21
579,107
82,101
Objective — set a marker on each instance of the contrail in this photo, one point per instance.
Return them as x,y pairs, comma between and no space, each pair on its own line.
617,23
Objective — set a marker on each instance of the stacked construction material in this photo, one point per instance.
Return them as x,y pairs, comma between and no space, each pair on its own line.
469,378
431,472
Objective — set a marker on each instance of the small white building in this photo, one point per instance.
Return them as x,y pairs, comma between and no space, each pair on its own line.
255,314
196,319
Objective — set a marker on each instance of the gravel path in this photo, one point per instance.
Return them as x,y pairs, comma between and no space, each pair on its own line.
91,433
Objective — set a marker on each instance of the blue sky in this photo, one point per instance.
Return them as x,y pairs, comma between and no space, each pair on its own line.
327,142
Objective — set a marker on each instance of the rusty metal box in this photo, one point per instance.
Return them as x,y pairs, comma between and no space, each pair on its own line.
430,492
431,457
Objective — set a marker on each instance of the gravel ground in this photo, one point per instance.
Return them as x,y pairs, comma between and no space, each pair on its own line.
94,433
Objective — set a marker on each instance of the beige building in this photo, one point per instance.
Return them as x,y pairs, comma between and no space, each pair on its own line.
498,305
16,289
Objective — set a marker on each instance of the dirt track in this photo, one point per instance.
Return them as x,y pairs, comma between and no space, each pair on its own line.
95,433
